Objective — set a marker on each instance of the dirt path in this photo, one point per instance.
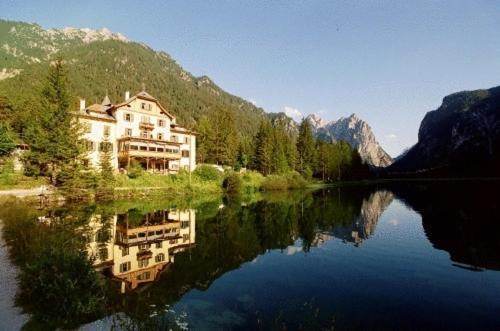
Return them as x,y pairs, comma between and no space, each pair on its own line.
20,193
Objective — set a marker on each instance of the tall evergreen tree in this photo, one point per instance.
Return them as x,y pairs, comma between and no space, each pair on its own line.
204,141
7,144
279,160
224,137
305,148
53,133
264,148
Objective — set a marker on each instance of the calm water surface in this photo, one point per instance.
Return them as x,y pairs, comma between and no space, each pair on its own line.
399,256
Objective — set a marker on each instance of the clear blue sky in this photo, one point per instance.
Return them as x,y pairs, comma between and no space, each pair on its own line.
388,61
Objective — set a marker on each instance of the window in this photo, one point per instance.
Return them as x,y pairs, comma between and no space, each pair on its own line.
107,130
103,254
89,145
125,251
143,263
143,148
160,149
186,140
184,224
128,117
152,149
185,237
161,123
144,134
174,138
158,244
105,146
143,105
160,136
144,276
160,257
134,147
143,247
185,153
128,132
124,267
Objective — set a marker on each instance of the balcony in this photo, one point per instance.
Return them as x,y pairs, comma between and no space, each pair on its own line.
146,126
137,147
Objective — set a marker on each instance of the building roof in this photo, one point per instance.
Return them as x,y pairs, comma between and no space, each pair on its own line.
97,111
106,101
145,96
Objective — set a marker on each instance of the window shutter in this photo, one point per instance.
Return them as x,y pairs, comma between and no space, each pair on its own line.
131,117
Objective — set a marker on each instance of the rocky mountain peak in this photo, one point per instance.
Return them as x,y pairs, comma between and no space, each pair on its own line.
359,135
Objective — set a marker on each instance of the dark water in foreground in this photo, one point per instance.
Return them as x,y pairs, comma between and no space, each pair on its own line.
399,256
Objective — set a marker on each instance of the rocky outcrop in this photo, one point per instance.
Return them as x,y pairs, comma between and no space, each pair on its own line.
461,137
357,133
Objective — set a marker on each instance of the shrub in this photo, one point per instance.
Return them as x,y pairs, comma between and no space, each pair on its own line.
295,180
232,183
275,183
288,181
134,170
206,172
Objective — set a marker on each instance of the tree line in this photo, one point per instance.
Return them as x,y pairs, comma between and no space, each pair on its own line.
276,150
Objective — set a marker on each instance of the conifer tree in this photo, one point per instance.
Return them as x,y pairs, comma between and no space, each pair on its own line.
106,180
204,141
264,148
279,160
305,148
7,144
53,133
224,137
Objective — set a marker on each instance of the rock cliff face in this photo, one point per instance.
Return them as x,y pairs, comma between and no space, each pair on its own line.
357,133
461,136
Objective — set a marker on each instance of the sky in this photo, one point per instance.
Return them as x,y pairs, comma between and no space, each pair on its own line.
389,62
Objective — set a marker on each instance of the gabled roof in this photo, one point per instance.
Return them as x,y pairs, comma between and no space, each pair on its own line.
97,111
145,96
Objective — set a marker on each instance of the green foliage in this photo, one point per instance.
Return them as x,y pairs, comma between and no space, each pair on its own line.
53,133
292,180
305,148
7,144
264,148
232,183
135,169
106,180
208,173
61,285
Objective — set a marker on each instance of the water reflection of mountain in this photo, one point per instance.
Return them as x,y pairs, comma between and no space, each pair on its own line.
364,225
459,217
134,248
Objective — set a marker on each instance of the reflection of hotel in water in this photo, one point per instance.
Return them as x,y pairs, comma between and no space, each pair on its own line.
136,248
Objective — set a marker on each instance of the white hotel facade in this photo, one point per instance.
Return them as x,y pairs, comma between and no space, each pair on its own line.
140,129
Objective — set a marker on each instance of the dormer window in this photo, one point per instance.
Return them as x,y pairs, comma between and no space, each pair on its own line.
146,106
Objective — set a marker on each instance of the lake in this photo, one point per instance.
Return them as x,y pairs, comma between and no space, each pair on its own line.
416,255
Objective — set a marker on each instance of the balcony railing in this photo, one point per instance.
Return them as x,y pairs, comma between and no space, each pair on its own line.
144,147
146,126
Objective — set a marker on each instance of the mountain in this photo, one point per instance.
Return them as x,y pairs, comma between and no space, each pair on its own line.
105,62
357,133
461,137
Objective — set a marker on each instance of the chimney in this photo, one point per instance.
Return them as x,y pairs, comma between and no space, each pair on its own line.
127,95
82,104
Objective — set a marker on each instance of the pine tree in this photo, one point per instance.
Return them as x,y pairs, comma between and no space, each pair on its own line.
7,144
106,180
279,160
225,137
305,149
204,141
53,132
264,148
